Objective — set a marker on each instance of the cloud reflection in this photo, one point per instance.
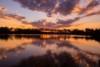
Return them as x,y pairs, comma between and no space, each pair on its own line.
24,46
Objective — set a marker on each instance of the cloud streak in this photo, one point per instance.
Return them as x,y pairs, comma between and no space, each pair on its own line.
92,4
13,20
18,17
55,7
93,13
2,9
65,23
50,6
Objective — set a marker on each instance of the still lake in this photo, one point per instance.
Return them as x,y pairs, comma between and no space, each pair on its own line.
49,51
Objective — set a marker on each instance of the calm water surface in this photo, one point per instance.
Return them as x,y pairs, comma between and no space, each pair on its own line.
49,50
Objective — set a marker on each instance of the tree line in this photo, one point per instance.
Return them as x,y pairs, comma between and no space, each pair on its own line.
87,31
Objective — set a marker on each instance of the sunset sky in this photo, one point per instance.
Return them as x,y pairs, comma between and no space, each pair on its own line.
58,14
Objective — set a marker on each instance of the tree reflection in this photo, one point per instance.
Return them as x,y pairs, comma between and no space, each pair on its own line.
49,60
52,50
46,36
5,36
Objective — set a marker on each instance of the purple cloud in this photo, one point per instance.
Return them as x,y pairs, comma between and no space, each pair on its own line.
67,22
91,5
64,6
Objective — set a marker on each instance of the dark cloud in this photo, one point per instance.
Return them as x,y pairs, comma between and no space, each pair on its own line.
60,23
64,7
93,13
18,17
50,6
51,25
90,6
14,16
67,22
67,6
43,24
39,24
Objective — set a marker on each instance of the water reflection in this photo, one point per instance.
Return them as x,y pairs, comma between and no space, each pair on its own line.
49,51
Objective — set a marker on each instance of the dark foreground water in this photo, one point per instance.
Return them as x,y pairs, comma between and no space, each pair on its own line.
49,51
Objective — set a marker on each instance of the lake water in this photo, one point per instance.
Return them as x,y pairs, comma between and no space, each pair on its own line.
49,51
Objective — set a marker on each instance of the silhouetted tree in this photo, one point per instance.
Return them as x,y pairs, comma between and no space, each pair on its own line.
91,32
5,30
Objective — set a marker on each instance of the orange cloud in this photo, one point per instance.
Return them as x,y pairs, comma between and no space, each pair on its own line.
12,20
77,9
2,9
82,26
